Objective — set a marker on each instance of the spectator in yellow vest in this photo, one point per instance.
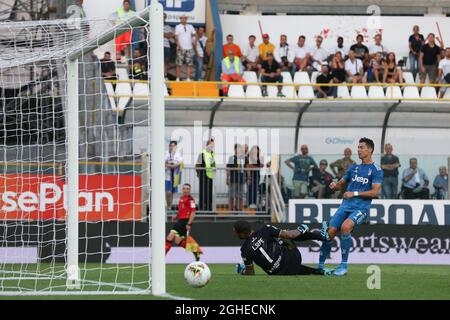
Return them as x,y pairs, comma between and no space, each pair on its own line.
232,70
124,40
205,167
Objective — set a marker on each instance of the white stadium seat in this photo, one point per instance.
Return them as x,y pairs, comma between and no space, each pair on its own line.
236,91
122,74
358,92
141,90
411,93
342,92
428,93
408,77
288,91
314,76
287,78
447,93
250,76
253,91
306,92
394,92
110,92
301,77
376,92
272,91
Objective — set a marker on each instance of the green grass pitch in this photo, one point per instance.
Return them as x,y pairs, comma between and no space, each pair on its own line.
397,282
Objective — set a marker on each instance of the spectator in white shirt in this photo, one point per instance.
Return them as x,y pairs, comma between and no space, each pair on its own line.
185,37
302,54
340,48
284,55
444,72
251,55
319,54
378,47
200,48
173,161
354,69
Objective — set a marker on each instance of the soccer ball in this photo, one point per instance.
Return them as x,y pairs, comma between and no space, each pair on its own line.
197,274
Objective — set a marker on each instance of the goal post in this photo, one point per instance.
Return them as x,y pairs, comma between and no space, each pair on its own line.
77,223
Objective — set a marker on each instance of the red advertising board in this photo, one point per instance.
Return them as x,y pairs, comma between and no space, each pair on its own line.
43,197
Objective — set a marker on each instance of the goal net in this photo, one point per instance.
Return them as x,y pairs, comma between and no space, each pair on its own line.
74,192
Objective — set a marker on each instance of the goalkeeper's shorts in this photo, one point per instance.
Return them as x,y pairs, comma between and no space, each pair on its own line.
180,228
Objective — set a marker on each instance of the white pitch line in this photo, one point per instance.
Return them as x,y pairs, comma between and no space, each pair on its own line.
168,295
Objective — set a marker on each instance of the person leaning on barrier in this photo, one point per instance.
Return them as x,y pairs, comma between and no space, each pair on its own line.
440,184
205,166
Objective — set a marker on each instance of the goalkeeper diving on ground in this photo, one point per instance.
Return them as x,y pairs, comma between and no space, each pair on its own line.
274,250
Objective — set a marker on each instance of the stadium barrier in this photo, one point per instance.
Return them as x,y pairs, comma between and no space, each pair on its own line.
123,242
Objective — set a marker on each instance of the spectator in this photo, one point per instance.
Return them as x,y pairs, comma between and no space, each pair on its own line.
255,163
319,54
168,37
137,66
108,68
444,72
440,184
271,72
232,70
416,41
338,68
251,55
284,55
340,166
360,50
302,165
340,47
415,182
354,68
321,180
302,55
200,53
76,11
173,161
185,37
205,167
390,164
378,47
123,41
392,74
265,47
376,69
430,55
236,178
325,77
231,46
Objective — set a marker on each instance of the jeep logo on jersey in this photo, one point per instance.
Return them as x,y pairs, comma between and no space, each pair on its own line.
359,179
178,5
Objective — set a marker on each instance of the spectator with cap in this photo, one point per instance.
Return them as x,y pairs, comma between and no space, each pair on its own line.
360,50
186,39
416,41
325,77
265,47
319,54
271,72
250,57
301,164
284,55
390,164
232,70
321,180
302,54
440,184
230,45
429,57
340,48
415,182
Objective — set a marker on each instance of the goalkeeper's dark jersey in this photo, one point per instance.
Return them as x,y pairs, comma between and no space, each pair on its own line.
270,253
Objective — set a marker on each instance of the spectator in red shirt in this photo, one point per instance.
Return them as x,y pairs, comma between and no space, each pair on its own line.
231,46
186,216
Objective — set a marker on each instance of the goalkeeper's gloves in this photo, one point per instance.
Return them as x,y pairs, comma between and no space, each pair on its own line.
303,228
240,267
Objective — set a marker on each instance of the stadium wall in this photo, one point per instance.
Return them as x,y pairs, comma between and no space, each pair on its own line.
126,242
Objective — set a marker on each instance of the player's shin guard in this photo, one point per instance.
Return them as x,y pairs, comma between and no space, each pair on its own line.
168,245
346,243
325,250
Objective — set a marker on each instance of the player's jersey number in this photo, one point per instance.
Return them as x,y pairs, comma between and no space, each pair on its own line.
264,253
